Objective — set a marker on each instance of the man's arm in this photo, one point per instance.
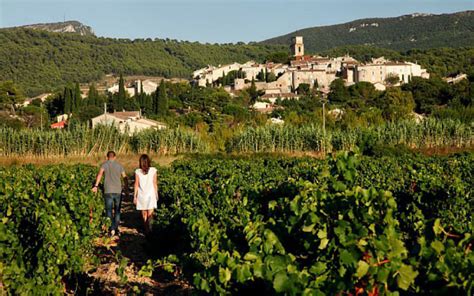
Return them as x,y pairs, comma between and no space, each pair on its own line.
125,183
97,180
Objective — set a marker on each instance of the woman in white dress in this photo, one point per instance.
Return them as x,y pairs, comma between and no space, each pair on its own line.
146,190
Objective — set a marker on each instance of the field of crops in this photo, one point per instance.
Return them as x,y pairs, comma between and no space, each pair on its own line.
83,141
430,133
259,224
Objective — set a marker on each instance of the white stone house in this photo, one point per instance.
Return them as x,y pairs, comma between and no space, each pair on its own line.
130,122
211,74
149,87
380,69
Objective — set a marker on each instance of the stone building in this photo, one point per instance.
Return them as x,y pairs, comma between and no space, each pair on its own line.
297,46
309,69
130,121
380,69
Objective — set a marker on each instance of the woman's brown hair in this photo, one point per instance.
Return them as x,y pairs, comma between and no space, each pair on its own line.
145,163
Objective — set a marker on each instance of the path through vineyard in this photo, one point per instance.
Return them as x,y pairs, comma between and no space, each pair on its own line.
132,246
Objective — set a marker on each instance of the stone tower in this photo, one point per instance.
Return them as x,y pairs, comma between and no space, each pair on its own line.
297,46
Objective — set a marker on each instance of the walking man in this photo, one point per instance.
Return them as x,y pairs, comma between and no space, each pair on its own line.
113,173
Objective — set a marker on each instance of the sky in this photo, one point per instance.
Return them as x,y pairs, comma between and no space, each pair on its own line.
220,21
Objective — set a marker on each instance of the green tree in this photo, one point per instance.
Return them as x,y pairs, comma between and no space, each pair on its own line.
141,96
161,99
93,98
121,95
396,104
428,93
68,100
303,89
392,79
253,92
7,121
315,84
362,93
148,104
10,95
463,92
35,117
261,75
271,77
282,57
338,93
86,113
77,98
239,113
55,105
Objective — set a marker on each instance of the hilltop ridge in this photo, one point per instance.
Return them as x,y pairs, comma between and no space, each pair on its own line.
416,30
63,27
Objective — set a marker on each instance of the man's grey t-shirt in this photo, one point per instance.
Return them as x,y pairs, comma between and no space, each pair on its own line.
113,176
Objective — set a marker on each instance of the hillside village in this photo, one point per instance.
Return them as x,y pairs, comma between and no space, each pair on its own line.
312,70
273,81
249,86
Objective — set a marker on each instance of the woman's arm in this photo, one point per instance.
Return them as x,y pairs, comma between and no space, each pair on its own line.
155,183
135,189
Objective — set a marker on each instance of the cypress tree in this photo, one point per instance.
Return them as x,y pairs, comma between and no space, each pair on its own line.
253,92
162,99
121,96
93,96
147,104
141,96
67,100
261,75
154,101
77,98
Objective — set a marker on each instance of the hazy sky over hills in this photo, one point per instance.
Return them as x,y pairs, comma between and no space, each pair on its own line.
212,20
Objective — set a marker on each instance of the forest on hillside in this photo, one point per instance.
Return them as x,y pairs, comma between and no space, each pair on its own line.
399,33
40,61
440,62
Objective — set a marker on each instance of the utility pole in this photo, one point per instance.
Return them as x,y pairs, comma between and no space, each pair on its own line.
324,102
41,115
324,119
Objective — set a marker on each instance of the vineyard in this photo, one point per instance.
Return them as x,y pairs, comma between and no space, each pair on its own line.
83,141
47,227
300,226
346,225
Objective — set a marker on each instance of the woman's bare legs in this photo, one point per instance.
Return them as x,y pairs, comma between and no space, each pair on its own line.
149,219
147,216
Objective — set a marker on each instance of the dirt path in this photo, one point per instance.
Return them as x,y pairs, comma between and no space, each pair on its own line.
129,252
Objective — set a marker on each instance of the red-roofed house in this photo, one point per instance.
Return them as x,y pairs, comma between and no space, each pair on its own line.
59,125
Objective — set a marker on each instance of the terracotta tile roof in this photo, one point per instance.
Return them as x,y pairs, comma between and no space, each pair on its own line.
126,115
61,124
280,95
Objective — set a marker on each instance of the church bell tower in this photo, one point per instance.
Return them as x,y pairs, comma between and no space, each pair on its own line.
297,46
